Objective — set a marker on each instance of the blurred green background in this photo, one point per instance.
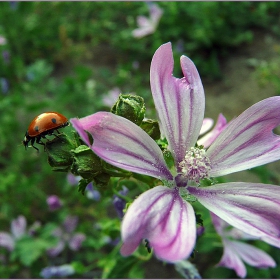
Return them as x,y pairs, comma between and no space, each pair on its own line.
73,58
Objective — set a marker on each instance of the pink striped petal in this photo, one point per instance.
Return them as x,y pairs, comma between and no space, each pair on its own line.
123,144
210,137
252,208
231,259
219,224
180,103
161,216
252,255
206,125
248,140
272,241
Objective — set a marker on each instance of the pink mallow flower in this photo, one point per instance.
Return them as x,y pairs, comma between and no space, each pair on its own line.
66,236
236,252
18,230
164,215
147,26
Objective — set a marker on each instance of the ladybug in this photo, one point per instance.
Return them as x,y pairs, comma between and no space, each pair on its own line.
42,125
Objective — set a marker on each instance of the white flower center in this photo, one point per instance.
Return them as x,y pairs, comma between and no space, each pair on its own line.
196,165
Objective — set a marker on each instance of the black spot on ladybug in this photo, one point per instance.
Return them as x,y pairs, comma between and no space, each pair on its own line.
53,120
36,128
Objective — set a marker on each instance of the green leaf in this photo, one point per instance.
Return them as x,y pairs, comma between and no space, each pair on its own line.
28,249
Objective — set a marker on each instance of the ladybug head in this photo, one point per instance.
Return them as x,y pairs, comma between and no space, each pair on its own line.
26,140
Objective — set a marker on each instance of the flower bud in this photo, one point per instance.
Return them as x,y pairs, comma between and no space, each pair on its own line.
86,163
59,152
131,107
151,127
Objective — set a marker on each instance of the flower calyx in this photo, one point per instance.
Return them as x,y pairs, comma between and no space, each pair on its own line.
131,107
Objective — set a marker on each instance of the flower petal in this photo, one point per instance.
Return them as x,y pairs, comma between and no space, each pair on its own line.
76,241
143,31
123,144
219,224
57,271
70,223
7,241
252,255
155,13
179,103
271,240
18,226
248,140
165,220
206,125
231,259
210,137
221,227
54,251
252,208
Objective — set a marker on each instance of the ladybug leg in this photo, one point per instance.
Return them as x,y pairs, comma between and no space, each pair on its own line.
38,141
58,133
32,144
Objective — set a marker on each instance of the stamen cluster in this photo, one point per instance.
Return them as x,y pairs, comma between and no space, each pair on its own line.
196,165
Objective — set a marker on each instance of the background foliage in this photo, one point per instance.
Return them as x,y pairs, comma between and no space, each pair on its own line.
67,57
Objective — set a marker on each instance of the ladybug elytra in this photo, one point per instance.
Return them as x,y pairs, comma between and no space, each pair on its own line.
42,125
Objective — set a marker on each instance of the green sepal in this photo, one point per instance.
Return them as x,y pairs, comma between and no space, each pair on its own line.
82,185
151,127
115,171
59,152
86,163
131,107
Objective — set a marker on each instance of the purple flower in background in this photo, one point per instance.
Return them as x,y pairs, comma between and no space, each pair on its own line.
57,271
119,203
112,96
3,40
66,236
18,229
147,26
4,85
54,202
13,5
163,215
73,180
92,193
236,252
6,56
